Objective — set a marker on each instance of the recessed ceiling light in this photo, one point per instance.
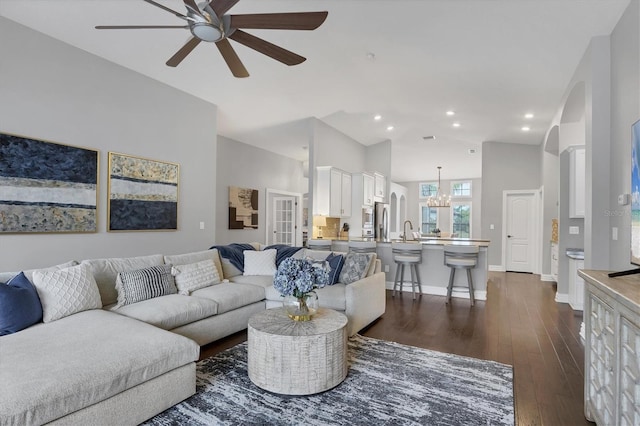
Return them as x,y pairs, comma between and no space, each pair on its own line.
451,113
456,124
525,128
528,115
377,117
389,128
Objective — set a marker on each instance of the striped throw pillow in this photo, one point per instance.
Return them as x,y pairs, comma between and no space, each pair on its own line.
142,284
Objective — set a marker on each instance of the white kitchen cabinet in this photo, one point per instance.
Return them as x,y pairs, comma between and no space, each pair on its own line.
363,189
576,285
577,185
612,349
345,200
333,192
380,187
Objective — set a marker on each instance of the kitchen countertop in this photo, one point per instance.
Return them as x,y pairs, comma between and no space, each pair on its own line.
427,241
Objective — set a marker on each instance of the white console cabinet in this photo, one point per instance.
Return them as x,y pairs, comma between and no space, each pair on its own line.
612,348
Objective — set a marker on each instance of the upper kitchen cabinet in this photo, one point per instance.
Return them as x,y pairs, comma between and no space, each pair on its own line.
363,189
577,177
333,192
380,187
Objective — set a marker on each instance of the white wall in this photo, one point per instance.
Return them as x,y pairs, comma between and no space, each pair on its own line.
52,91
246,166
505,166
625,110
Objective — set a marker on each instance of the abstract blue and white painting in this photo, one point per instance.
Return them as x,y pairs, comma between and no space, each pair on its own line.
46,187
143,194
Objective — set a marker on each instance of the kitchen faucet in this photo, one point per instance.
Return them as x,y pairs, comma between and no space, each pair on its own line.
404,228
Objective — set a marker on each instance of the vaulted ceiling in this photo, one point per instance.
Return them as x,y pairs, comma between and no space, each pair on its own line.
410,61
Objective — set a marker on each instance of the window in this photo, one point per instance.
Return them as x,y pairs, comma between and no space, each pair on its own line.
428,189
461,219
428,218
461,189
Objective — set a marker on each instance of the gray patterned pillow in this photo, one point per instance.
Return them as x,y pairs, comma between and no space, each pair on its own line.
142,284
356,266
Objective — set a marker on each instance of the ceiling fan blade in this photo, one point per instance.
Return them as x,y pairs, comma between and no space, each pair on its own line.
279,21
183,52
276,52
231,58
220,7
137,27
178,14
191,5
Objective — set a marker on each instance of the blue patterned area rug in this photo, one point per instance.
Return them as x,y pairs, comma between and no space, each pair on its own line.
388,383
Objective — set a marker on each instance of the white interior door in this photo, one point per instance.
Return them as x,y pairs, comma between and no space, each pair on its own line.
520,231
283,222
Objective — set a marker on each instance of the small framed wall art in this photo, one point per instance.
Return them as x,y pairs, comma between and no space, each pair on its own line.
46,186
143,194
243,208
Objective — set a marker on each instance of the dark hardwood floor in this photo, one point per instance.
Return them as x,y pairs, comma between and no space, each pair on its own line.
520,324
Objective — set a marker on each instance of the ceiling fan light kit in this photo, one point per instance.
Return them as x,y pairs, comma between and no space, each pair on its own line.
209,22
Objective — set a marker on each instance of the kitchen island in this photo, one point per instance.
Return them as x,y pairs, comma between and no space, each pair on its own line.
433,272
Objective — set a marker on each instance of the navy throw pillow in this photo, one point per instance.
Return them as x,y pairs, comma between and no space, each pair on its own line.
335,263
19,305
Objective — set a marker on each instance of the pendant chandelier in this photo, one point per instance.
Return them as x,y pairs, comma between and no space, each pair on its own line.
440,199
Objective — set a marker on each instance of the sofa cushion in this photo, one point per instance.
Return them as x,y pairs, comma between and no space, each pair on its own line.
231,296
259,280
356,266
260,262
198,256
336,262
194,276
50,370
19,305
171,311
333,297
105,271
29,272
146,283
66,291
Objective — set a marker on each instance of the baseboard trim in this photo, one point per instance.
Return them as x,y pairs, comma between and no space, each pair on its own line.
547,277
442,291
497,268
562,297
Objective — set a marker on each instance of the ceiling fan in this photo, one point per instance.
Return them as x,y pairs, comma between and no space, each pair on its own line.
209,22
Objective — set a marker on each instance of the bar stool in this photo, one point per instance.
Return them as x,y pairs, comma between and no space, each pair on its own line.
460,257
362,246
407,254
324,245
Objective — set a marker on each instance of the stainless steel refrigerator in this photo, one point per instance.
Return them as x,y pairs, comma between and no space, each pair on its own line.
381,221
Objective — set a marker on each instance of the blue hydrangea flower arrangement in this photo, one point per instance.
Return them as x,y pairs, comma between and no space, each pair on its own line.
297,277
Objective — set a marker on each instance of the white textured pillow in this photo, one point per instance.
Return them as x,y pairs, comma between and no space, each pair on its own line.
260,262
195,276
66,291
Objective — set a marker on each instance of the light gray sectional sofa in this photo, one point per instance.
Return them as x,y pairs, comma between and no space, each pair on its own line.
112,364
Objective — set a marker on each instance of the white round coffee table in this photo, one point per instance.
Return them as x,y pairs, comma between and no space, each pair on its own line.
297,357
